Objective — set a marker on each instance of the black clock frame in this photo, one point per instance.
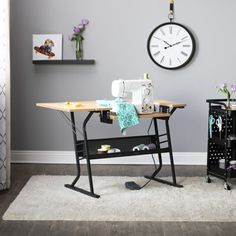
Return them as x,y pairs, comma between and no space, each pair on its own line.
191,36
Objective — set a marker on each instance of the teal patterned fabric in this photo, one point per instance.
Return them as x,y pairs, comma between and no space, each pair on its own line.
127,115
104,103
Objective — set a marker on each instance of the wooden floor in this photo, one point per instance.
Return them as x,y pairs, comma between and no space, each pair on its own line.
22,172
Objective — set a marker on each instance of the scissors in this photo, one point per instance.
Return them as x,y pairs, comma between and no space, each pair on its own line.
219,124
211,122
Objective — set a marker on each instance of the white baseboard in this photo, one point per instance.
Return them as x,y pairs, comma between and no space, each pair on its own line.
68,157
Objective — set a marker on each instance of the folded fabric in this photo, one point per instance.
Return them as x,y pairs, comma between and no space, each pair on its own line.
104,103
126,112
127,115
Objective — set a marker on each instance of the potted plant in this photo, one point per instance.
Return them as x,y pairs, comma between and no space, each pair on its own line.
228,91
77,36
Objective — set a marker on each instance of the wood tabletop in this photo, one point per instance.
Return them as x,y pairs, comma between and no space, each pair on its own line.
82,106
73,107
169,104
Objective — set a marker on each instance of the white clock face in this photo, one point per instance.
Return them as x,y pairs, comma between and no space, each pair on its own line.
171,45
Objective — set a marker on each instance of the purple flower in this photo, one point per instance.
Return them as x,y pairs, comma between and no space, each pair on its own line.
80,26
84,22
76,30
223,86
233,88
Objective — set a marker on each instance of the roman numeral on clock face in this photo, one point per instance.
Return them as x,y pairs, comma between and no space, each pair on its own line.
156,53
162,59
162,31
184,38
184,53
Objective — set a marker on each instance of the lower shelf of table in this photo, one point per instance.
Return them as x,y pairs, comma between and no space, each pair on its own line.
125,144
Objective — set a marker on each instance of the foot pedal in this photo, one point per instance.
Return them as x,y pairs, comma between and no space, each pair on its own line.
132,185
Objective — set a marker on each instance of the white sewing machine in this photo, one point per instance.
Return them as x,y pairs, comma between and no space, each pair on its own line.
141,90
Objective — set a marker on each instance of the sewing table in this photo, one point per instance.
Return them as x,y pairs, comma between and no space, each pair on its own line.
87,148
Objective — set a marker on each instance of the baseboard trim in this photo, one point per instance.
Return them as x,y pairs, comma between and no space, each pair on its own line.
68,157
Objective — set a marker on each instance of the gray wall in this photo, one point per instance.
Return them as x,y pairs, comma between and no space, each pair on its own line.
116,38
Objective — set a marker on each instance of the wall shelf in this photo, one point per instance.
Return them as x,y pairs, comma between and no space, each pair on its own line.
65,62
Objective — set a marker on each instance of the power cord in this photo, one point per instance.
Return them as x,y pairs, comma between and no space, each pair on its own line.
154,162
131,184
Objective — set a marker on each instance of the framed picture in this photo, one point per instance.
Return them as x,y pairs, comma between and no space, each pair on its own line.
47,47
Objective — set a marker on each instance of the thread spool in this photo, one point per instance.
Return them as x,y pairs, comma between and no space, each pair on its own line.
145,148
101,151
150,146
106,147
139,147
113,150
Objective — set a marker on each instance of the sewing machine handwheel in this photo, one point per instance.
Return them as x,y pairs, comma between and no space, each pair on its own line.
208,179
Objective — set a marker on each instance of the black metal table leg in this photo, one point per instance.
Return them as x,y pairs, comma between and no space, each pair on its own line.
72,116
87,154
153,176
171,154
81,190
159,152
72,185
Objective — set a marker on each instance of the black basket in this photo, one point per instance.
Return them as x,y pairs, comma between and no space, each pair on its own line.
125,144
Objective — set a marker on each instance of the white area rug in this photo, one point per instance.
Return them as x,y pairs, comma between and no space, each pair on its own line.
46,198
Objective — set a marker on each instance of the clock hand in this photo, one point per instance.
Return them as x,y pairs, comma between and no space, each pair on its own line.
163,41
174,44
169,45
179,42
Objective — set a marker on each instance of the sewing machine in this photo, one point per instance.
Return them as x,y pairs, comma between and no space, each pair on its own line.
141,90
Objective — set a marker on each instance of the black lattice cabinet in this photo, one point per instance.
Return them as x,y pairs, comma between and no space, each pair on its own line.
221,141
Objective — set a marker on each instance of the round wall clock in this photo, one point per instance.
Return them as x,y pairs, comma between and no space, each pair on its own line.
171,45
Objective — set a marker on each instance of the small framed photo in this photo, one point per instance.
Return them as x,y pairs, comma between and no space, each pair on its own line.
47,47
